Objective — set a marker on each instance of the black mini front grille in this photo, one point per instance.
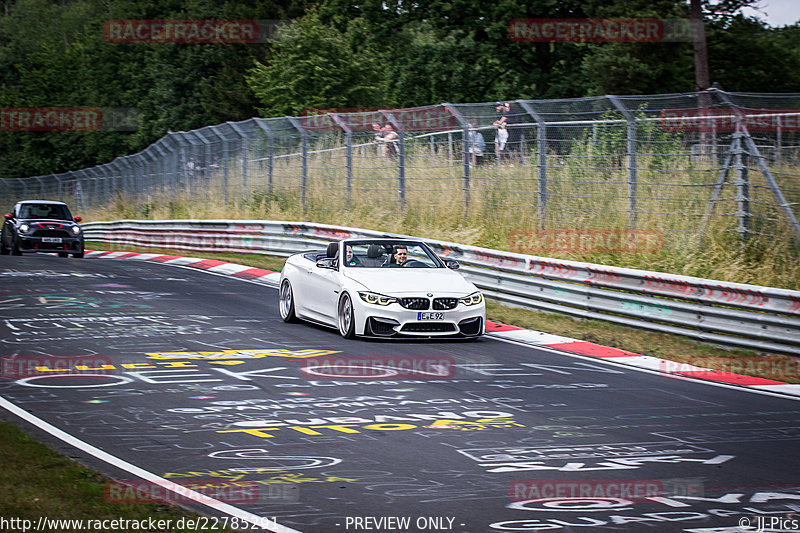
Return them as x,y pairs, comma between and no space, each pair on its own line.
51,233
429,327
444,304
418,304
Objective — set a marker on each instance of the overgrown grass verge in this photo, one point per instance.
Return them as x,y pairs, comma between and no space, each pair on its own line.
499,208
40,482
671,347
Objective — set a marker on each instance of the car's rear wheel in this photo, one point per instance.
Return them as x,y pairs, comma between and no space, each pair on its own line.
347,324
286,302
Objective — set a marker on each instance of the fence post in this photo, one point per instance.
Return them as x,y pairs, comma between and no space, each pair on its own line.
224,163
541,149
631,135
401,157
742,186
304,176
245,154
348,136
466,153
753,150
262,123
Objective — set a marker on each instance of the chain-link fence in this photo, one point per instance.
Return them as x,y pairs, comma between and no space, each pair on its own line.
680,164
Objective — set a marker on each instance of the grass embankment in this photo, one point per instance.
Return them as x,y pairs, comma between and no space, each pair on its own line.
499,207
666,346
39,482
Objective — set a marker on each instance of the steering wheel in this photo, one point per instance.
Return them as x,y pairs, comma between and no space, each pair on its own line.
412,263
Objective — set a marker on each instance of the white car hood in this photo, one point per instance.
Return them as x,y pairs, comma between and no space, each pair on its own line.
400,281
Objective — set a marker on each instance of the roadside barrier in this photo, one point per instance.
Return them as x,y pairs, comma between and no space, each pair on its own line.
748,316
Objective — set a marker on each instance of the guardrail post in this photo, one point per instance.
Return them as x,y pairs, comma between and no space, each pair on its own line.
632,177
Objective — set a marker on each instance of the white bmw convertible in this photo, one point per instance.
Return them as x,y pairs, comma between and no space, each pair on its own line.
381,288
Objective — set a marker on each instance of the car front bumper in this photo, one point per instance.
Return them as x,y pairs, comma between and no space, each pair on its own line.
394,320
45,244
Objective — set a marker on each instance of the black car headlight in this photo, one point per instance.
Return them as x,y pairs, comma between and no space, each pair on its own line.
473,299
377,299
23,228
76,230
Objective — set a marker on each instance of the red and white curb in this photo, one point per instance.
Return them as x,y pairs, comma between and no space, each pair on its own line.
211,265
503,331
663,366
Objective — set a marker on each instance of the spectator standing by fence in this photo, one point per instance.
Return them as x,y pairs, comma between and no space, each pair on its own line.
514,132
477,144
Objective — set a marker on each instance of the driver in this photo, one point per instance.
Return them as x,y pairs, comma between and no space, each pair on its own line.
400,256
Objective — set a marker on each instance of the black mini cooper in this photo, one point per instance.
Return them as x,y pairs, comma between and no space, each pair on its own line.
41,226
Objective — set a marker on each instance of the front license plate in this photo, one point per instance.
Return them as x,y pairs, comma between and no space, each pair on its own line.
51,239
430,316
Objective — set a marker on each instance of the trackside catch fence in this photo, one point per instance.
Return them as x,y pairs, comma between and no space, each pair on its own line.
685,165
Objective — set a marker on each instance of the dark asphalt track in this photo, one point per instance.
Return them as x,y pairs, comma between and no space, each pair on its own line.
497,442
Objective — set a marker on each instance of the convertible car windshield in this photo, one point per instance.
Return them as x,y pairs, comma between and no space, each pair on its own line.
389,254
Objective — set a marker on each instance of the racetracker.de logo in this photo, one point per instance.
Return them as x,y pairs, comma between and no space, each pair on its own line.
433,118
51,119
20,367
127,492
633,490
586,30
183,31
537,242
380,367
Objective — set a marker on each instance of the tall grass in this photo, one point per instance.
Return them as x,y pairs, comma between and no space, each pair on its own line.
587,189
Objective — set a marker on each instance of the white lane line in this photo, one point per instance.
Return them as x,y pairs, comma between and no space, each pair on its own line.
257,521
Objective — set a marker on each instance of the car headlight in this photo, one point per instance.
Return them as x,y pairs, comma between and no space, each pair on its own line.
473,299
377,299
76,230
23,228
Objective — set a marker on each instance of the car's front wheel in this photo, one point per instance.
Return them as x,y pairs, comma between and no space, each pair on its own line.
286,302
15,247
3,249
347,324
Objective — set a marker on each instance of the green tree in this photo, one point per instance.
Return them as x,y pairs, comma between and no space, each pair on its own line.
313,65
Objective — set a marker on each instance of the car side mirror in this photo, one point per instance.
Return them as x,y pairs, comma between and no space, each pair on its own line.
452,264
9,216
78,219
327,262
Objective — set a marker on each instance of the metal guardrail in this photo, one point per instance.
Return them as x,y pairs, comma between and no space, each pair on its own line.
761,318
